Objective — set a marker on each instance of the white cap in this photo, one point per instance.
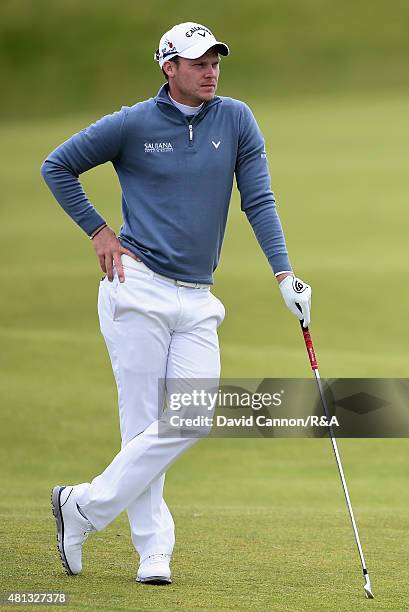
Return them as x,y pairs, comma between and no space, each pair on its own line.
189,40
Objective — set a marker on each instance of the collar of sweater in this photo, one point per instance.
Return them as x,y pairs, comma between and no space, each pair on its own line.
163,102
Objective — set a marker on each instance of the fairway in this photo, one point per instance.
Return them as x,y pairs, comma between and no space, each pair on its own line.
261,524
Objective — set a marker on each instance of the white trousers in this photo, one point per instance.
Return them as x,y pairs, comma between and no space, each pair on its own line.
153,329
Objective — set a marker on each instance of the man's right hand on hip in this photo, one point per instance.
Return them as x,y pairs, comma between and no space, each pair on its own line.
109,251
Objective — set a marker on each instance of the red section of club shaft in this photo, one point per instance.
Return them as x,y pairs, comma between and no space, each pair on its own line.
310,348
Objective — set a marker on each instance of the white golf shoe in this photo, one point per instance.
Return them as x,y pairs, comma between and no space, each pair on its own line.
72,528
154,570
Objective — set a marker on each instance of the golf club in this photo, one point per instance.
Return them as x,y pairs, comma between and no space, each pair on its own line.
314,367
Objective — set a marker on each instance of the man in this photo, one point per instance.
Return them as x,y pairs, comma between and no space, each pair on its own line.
176,156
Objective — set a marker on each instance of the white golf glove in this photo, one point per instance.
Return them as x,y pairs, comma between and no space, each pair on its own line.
297,296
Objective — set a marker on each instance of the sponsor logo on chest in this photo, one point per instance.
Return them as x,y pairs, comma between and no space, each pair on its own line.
158,147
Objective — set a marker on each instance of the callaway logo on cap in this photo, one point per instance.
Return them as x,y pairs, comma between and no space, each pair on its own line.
189,40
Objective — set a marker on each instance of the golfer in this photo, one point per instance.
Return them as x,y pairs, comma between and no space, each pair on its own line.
176,156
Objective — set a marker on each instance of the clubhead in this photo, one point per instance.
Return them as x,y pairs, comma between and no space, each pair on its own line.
368,593
367,588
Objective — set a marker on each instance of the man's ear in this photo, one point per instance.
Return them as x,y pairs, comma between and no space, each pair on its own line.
169,68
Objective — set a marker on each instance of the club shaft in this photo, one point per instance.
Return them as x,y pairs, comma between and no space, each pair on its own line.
314,366
340,470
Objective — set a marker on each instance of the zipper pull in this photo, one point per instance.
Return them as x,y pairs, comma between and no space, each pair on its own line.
190,133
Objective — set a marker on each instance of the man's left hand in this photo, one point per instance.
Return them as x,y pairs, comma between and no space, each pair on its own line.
297,296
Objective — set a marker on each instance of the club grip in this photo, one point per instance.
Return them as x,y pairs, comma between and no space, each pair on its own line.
309,346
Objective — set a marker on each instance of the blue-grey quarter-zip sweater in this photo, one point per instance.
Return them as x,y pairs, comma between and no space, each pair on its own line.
176,177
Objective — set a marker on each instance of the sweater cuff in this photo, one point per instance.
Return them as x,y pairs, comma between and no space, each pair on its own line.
280,262
92,222
283,272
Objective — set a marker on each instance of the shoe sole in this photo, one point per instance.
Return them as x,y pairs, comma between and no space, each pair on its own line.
156,580
59,521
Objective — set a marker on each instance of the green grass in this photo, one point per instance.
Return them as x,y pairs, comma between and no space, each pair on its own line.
98,54
261,524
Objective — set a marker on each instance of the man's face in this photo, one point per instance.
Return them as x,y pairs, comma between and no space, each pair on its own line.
194,81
